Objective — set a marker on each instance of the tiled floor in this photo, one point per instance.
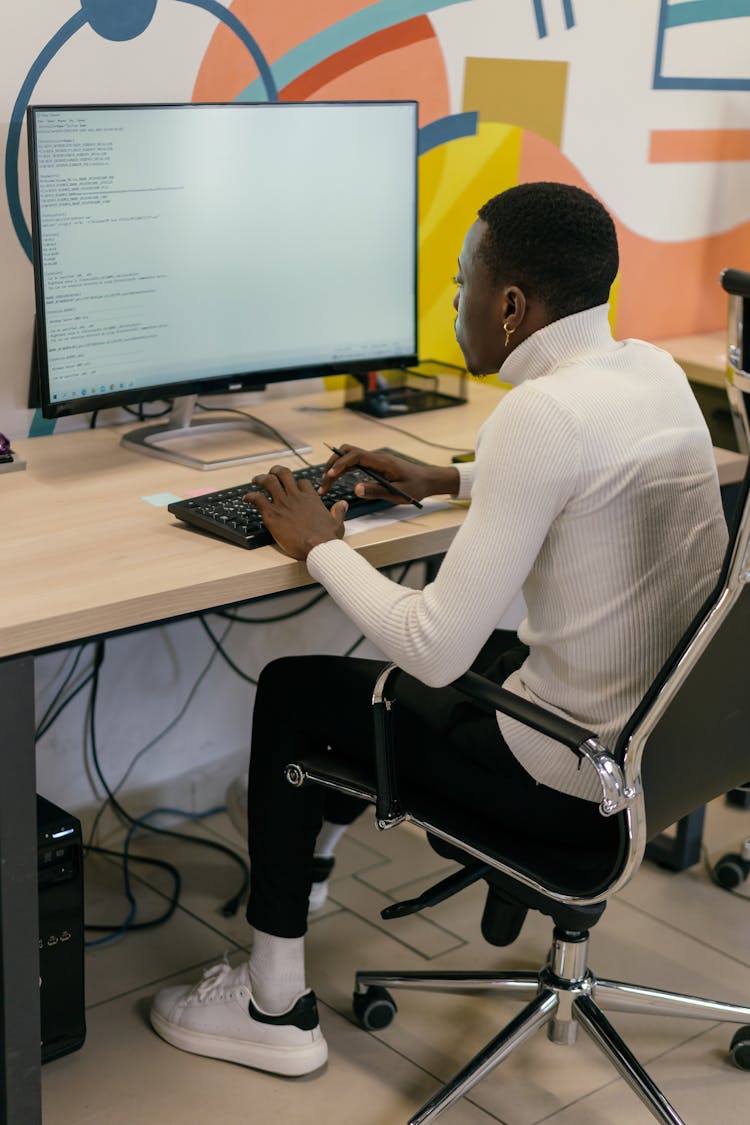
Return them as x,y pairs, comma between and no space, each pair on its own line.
674,931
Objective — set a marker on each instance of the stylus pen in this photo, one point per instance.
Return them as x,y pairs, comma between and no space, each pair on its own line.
377,477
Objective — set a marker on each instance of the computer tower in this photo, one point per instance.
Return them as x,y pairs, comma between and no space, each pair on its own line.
61,939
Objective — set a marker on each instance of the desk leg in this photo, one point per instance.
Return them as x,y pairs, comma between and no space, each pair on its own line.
684,848
20,1030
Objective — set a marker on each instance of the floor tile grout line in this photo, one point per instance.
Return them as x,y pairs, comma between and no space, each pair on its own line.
430,921
684,933
368,920
615,1080
638,909
135,877
156,981
412,1062
401,888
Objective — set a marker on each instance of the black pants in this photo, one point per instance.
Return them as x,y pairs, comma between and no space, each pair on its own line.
306,704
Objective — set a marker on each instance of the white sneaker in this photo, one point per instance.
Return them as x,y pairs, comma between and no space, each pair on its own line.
218,1018
236,802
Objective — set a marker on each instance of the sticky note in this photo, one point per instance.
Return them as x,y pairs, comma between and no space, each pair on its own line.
161,499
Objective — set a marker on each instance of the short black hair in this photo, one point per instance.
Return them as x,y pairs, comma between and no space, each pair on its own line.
555,241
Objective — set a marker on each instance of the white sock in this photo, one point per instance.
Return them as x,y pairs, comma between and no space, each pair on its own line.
328,838
277,971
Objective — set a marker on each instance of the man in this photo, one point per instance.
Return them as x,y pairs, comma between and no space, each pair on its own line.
594,491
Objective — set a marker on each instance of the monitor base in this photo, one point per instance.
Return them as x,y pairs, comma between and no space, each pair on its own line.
181,438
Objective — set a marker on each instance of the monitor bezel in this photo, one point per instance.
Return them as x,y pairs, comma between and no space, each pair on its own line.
220,383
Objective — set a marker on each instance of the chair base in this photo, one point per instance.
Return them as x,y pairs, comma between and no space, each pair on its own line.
563,996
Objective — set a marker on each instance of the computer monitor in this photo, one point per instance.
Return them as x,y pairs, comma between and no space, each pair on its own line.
182,250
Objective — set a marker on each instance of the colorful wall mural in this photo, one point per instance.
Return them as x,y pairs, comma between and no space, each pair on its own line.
644,102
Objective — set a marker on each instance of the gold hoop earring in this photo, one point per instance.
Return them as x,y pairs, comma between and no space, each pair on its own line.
508,332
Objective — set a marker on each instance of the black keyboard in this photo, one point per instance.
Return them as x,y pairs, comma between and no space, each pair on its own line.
226,515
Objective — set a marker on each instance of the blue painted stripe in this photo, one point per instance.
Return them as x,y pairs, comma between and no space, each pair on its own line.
541,23
705,11
447,129
226,16
659,54
570,19
41,427
16,123
662,83
358,26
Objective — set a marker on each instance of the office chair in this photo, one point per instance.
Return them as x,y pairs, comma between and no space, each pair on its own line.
734,867
686,743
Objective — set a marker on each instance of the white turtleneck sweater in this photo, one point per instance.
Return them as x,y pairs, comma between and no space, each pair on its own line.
594,490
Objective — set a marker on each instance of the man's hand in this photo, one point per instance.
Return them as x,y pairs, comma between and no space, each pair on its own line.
416,480
294,513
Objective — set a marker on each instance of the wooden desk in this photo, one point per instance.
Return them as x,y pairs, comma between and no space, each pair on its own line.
703,357
83,554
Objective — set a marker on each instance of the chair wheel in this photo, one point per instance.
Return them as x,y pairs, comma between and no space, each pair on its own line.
374,1009
740,1048
731,870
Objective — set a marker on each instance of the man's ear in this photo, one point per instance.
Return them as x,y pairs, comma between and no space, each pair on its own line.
513,306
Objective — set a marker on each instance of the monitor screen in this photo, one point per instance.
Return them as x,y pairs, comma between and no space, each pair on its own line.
184,249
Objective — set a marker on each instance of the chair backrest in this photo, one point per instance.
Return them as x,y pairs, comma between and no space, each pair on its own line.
686,743
737,284
690,737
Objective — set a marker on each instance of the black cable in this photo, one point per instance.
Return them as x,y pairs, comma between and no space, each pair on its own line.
224,654
68,677
161,918
140,413
232,905
232,615
414,437
259,422
42,730
356,645
157,738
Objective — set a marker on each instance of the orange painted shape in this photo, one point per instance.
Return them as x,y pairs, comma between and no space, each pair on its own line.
227,67
674,146
403,62
415,72
380,43
665,288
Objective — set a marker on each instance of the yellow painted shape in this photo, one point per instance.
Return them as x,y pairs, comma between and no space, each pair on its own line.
614,296
455,180
525,92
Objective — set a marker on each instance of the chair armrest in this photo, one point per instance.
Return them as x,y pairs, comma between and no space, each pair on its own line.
388,809
493,698
616,795
342,776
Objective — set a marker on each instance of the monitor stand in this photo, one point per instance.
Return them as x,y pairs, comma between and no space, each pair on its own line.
182,437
